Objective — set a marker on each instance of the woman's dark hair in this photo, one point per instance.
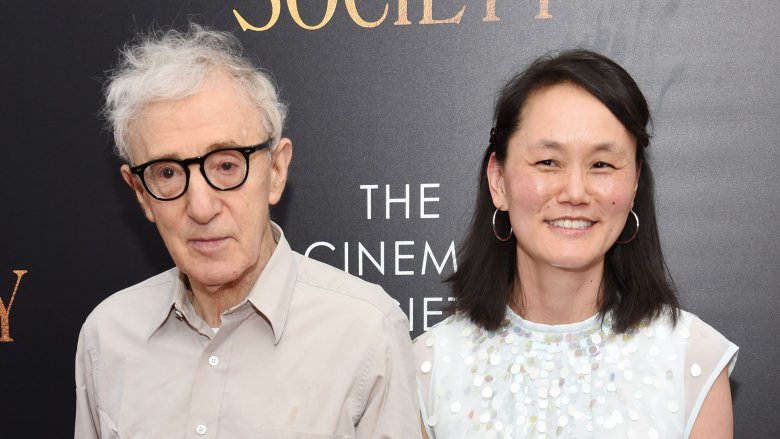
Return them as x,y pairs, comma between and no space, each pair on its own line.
635,287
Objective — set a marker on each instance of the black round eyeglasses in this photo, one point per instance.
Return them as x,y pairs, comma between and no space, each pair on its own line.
223,169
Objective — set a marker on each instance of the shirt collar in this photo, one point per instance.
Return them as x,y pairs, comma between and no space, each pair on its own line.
271,294
171,302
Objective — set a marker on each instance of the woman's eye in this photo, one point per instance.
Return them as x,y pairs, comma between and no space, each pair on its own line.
602,165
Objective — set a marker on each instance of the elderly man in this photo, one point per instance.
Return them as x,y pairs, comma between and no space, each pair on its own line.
244,338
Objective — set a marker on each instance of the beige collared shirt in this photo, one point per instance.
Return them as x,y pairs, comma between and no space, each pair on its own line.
311,353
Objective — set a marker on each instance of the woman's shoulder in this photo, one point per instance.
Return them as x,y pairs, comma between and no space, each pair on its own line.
443,341
687,325
453,325
707,353
439,336
706,345
433,348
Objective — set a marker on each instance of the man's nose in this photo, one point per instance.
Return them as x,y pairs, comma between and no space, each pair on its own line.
203,202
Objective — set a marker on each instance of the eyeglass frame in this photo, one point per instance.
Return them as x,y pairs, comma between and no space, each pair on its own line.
245,151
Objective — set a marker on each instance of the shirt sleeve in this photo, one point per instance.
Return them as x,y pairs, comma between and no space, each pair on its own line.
86,409
707,355
390,410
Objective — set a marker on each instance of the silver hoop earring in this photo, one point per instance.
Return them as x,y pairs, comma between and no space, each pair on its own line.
495,232
636,218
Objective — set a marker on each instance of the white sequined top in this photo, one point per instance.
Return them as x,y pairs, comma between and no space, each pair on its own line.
578,380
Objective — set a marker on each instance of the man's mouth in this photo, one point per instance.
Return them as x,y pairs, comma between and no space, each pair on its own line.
207,243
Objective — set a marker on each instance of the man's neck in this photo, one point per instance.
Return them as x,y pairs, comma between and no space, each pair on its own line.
210,301
211,304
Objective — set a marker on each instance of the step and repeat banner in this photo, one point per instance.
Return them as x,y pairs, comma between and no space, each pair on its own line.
390,109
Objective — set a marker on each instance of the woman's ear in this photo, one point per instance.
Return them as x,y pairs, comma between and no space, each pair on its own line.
495,176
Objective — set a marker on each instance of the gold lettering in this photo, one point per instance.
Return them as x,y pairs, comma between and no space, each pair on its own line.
428,15
490,11
403,13
276,8
544,12
5,312
353,12
292,5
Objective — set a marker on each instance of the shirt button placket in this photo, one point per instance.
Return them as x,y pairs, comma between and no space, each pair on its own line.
208,388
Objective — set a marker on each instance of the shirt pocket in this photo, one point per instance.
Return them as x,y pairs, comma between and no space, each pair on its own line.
283,434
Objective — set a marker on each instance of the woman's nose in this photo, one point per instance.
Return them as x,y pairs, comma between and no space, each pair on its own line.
574,189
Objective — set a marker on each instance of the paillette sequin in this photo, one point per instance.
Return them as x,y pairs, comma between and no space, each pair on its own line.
579,380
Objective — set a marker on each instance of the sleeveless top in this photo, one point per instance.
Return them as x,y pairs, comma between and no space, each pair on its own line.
579,380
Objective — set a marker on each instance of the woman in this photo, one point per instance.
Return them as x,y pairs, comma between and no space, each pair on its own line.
565,322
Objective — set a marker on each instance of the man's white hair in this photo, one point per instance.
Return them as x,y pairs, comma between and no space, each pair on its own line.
170,65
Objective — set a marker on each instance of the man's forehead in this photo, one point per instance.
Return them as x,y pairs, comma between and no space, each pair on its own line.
217,115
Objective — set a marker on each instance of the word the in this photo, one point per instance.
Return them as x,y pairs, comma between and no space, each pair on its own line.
404,200
401,20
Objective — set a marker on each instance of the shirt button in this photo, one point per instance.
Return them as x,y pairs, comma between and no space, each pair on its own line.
201,429
213,360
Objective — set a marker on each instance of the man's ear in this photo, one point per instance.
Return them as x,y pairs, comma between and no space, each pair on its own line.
495,177
139,190
280,164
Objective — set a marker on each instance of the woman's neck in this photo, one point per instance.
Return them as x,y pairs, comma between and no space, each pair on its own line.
551,295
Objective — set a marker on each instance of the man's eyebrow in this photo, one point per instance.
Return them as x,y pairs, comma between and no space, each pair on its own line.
222,144
211,147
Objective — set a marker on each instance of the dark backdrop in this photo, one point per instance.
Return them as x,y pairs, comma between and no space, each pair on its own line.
385,107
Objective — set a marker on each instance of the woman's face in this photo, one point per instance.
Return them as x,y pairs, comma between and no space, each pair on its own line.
568,181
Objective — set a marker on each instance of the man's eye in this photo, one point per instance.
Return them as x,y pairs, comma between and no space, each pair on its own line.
548,162
227,167
167,172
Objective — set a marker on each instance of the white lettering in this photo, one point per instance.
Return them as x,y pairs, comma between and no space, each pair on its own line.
363,252
439,267
424,199
368,188
427,313
346,256
410,314
389,201
319,244
399,256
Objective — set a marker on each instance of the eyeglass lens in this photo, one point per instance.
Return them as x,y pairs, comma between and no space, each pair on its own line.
223,170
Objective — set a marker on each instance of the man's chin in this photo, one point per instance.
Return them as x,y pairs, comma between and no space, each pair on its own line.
213,278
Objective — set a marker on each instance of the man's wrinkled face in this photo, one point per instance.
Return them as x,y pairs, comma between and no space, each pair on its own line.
217,238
